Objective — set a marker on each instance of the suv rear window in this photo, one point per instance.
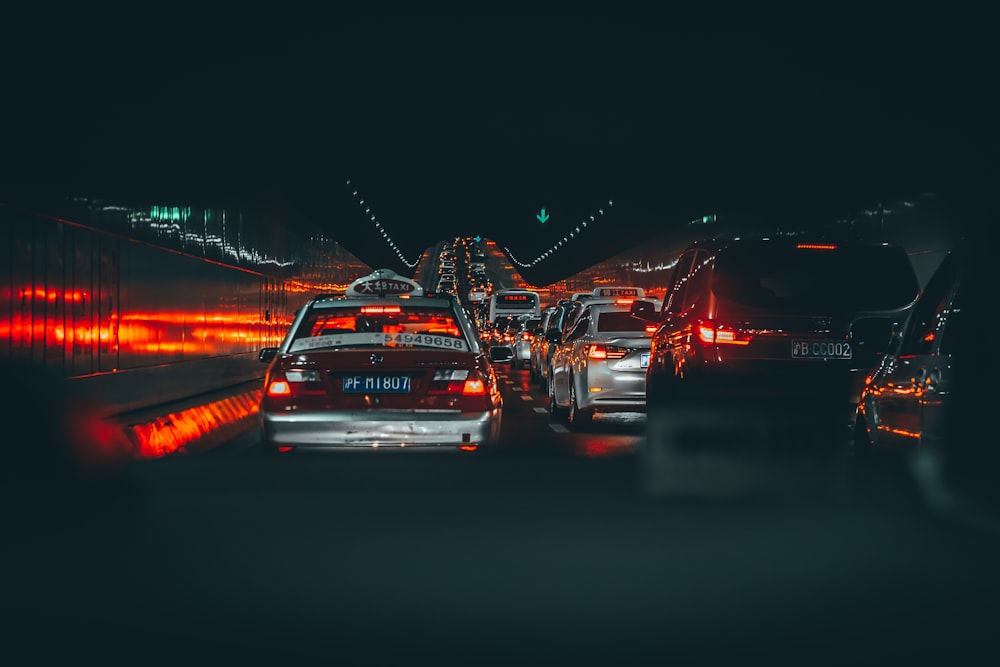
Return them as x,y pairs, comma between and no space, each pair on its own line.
769,275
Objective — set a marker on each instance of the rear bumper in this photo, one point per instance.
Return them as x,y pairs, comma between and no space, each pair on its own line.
385,428
619,391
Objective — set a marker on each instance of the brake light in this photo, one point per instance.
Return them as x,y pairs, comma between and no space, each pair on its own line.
379,310
474,386
651,328
600,351
526,336
815,246
279,388
716,333
458,381
624,302
597,352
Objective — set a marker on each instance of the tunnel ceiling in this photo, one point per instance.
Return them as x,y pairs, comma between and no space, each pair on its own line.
473,124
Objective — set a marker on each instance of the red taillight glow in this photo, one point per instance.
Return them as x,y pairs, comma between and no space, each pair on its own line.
650,328
474,387
279,388
815,246
453,382
526,336
624,302
468,448
285,448
379,310
713,333
599,351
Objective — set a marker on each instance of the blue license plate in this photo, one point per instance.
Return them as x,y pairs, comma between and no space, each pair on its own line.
381,384
644,360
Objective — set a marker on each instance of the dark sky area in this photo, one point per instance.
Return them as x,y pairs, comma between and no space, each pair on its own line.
471,124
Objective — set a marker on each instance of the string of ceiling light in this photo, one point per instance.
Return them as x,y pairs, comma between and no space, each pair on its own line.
565,239
380,228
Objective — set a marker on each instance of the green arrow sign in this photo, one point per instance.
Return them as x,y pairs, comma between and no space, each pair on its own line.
543,216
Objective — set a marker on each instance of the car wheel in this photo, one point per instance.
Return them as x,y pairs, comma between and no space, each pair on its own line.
555,412
577,416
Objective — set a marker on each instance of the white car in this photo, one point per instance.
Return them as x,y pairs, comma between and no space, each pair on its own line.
600,365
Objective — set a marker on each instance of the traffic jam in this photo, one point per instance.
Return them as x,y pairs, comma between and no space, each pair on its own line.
770,350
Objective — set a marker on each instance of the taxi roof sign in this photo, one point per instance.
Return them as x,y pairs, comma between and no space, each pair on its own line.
635,292
384,282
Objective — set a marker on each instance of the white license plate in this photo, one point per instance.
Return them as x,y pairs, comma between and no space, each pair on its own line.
644,360
821,349
382,384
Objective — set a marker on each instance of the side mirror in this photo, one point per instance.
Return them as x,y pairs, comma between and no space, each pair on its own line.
553,336
267,354
643,310
501,353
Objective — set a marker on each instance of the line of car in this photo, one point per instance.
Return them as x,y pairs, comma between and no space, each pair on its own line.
792,331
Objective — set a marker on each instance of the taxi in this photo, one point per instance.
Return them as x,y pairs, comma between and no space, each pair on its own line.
383,364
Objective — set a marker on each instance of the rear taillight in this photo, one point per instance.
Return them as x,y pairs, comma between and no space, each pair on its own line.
651,328
458,381
526,336
600,351
710,332
279,388
474,386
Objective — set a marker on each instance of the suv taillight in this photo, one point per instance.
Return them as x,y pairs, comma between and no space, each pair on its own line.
710,332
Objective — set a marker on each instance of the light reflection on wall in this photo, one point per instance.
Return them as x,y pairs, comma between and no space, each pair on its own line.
82,300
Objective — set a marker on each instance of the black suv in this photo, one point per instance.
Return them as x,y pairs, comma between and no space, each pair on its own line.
771,339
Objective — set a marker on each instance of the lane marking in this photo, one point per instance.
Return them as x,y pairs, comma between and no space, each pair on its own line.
526,397
559,428
518,388
541,411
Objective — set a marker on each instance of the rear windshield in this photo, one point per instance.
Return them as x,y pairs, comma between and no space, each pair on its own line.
778,276
362,326
619,321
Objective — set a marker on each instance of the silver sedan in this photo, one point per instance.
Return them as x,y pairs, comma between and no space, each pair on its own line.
600,366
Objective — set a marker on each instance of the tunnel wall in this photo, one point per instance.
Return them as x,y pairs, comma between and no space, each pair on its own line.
135,322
